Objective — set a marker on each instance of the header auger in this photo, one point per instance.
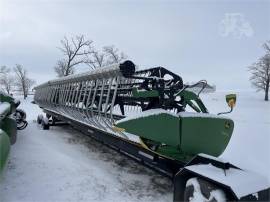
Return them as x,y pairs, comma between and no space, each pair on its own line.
149,115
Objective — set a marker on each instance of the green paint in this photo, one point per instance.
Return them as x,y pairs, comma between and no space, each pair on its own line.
144,93
6,98
183,137
9,125
193,100
188,95
4,150
160,128
174,152
205,135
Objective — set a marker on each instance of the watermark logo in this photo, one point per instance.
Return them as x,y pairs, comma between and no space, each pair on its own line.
235,25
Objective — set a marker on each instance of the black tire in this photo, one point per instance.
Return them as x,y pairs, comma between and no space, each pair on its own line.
39,118
54,120
22,125
45,124
208,190
21,113
48,116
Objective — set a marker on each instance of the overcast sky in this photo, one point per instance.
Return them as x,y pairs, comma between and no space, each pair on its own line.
196,39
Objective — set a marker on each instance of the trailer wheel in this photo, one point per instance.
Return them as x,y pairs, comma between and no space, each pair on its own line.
20,114
45,123
54,120
39,118
198,189
48,116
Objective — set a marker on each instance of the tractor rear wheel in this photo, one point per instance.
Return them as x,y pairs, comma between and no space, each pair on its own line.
198,189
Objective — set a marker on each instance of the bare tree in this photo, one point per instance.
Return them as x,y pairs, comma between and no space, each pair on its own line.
78,50
61,68
75,51
113,54
109,55
6,79
22,81
96,59
260,71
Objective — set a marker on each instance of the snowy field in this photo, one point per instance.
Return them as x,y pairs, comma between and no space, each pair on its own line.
63,165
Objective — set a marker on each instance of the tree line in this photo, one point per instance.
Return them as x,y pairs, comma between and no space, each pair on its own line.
79,50
15,79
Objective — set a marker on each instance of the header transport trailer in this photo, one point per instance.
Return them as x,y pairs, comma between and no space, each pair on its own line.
11,119
143,114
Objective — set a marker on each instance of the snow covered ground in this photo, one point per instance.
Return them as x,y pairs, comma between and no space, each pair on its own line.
63,165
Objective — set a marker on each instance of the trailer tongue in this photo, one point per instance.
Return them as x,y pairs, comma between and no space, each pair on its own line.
144,114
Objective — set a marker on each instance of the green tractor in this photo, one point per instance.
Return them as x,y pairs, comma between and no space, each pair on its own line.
11,119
